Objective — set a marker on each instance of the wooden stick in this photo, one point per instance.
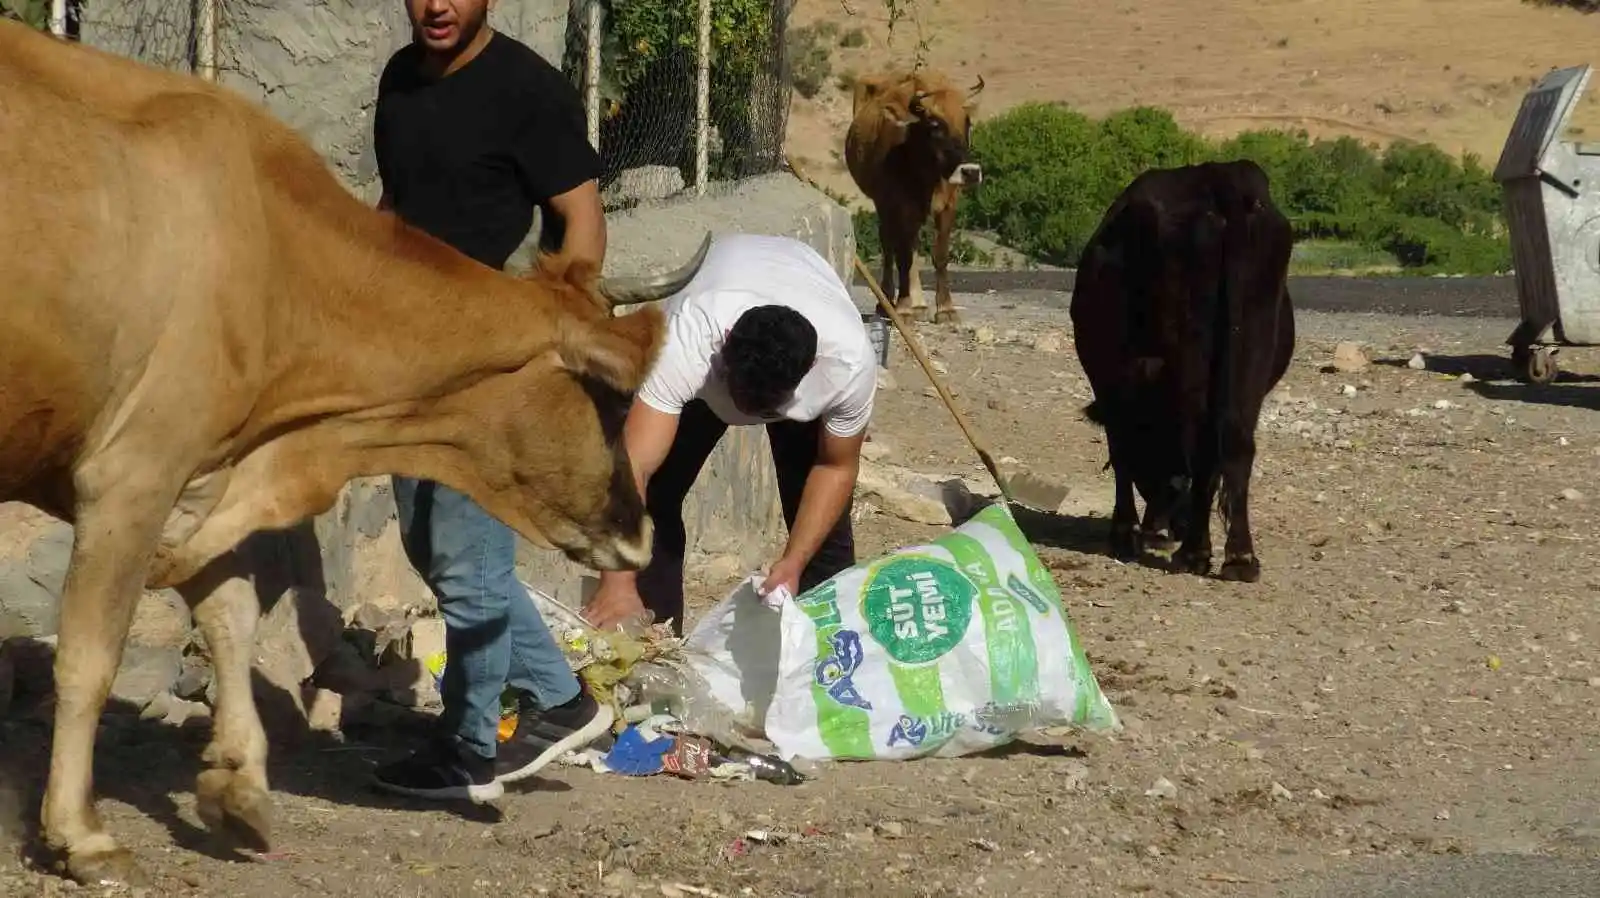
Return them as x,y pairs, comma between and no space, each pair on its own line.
917,352
949,401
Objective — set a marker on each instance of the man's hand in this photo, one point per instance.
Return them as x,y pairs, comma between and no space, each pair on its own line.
615,603
785,572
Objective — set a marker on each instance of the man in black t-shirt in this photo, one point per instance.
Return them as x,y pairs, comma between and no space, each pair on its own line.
473,130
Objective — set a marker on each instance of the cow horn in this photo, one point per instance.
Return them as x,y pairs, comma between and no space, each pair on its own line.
976,88
624,291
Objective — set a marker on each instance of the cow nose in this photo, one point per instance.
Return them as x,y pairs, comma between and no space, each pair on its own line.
621,551
967,174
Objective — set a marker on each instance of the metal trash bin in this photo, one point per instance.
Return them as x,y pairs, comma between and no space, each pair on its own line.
878,331
1552,202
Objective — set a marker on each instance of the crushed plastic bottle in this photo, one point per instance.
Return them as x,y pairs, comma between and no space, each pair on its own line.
682,693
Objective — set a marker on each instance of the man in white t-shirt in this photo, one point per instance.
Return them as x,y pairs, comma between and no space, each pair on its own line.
765,333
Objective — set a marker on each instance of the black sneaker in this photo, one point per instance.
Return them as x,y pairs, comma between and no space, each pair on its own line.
544,736
442,771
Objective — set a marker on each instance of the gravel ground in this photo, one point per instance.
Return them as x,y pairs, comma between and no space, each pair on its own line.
1409,691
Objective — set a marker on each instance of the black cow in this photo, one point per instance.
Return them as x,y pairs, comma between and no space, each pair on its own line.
1182,321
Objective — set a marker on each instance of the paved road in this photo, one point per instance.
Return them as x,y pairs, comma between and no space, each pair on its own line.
1472,876
1483,297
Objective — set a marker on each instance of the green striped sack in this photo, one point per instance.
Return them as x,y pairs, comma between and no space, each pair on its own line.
942,649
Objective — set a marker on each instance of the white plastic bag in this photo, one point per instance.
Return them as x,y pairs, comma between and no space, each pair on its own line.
943,649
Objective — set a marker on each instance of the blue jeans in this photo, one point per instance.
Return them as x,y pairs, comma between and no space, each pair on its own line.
494,635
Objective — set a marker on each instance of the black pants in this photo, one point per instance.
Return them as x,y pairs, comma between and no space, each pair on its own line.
794,453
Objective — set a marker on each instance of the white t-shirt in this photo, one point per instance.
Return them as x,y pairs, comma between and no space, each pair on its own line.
742,271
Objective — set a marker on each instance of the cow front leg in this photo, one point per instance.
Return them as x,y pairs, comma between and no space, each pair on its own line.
919,300
113,538
231,793
1155,531
1239,561
1124,514
886,270
944,306
903,247
1194,555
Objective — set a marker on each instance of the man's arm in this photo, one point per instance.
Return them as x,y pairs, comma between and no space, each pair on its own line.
647,437
827,491
580,232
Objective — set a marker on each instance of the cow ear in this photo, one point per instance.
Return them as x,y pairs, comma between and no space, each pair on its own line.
867,88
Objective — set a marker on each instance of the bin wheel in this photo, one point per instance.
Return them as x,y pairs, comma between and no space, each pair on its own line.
1534,364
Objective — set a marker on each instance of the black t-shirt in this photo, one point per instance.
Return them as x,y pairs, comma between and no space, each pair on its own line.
468,156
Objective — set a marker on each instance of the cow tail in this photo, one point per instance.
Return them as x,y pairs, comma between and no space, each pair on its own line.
1228,315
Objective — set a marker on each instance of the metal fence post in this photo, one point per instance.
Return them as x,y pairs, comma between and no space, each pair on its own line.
205,62
58,18
702,121
591,70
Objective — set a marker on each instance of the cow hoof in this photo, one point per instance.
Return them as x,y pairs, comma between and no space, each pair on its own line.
1124,545
107,868
946,316
1243,569
234,808
1193,562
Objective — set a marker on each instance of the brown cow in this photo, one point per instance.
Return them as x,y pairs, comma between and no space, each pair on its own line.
207,335
907,150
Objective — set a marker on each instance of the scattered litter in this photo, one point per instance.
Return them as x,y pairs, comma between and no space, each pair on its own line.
1417,363
1571,495
1279,792
1442,815
984,844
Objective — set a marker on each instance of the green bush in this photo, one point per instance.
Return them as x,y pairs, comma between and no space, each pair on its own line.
962,250
1051,172
810,56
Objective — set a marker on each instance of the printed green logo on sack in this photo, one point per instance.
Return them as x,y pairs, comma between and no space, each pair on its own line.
917,607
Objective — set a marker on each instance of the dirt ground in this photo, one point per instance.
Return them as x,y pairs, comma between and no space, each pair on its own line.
1451,72
1415,675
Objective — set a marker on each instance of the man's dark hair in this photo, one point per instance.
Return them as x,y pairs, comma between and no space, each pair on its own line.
767,352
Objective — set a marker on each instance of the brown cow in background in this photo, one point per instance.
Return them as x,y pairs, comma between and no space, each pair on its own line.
907,151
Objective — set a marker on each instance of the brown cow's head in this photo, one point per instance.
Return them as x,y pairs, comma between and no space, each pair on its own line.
552,460
938,118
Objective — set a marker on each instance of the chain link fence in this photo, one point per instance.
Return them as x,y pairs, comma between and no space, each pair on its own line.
680,94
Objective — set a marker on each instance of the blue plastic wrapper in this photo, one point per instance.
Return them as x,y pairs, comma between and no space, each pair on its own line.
633,755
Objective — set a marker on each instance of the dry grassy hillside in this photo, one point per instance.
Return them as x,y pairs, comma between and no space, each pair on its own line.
1447,71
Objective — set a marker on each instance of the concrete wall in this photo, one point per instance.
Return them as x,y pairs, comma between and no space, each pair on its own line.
316,66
